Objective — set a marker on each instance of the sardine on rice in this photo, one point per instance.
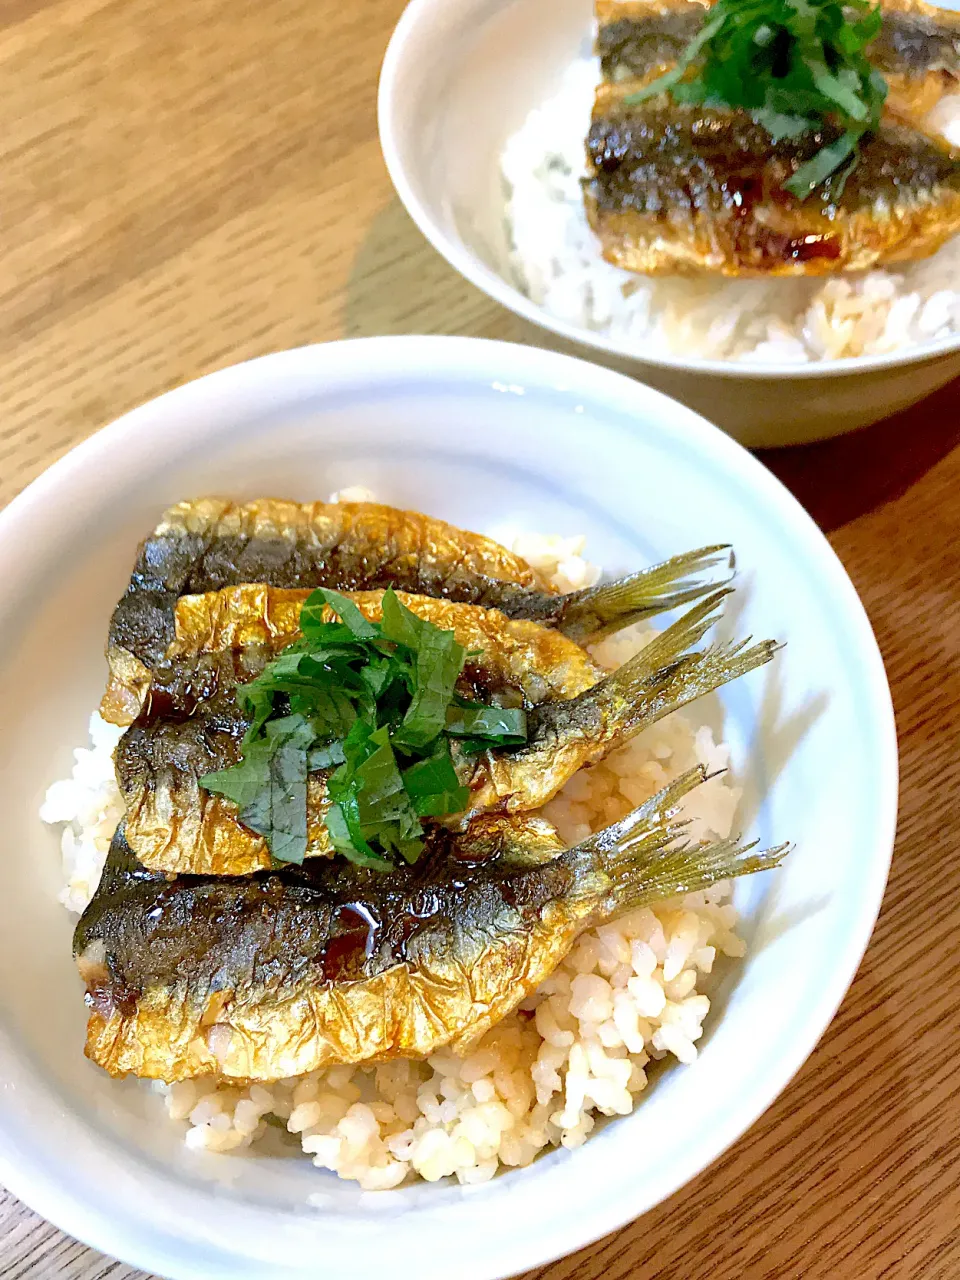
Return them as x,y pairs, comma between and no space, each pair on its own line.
629,993
555,258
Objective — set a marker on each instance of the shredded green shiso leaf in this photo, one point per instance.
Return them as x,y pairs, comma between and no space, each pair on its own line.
375,702
795,66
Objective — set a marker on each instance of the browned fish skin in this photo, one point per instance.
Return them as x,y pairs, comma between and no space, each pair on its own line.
681,188
636,37
916,39
632,47
190,723
518,662
284,956
270,976
211,543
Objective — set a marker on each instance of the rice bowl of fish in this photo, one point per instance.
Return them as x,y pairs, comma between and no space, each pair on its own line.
529,157
464,822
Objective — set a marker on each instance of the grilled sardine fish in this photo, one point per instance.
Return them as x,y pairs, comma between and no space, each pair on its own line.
191,724
210,544
270,976
679,188
917,49
639,38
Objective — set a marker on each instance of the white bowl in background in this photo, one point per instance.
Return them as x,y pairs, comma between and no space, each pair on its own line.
493,437
459,77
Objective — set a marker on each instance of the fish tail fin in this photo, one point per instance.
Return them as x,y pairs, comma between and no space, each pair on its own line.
566,735
663,676
644,858
669,645
599,611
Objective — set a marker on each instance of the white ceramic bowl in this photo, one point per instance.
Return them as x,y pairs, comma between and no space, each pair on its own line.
491,436
458,79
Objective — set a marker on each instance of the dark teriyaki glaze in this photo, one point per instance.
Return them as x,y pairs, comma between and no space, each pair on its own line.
327,921
663,158
480,684
190,723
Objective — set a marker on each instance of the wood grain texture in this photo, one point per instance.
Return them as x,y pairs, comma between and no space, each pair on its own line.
186,185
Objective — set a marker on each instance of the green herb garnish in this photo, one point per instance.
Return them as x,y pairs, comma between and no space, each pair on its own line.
376,703
796,66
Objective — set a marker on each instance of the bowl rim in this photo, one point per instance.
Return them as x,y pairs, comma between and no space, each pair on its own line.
58,1196
420,13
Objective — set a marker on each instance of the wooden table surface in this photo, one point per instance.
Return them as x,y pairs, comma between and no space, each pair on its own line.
190,183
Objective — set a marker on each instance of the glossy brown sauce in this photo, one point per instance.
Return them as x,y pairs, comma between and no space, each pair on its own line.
107,997
345,954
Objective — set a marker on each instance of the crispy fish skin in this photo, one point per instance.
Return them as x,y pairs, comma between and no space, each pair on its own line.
636,37
918,51
267,977
687,190
191,725
210,544
916,38
519,655
676,188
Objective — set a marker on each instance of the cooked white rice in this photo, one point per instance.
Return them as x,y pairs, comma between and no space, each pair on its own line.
89,805
628,994
556,260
